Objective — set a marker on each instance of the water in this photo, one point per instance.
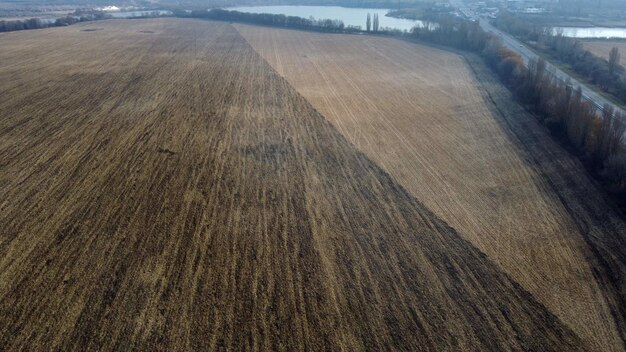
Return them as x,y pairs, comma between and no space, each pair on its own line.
349,16
592,32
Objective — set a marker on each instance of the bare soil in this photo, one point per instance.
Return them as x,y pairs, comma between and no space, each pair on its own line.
172,191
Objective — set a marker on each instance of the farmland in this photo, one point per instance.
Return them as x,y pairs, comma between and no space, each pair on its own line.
601,48
422,115
174,184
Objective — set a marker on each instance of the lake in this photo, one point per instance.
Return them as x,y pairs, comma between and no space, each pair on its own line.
349,16
592,32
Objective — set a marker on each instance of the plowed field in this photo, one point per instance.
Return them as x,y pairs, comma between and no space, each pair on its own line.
165,185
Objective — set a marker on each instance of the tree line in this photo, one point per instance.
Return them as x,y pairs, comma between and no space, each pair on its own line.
275,20
37,23
596,137
18,25
372,22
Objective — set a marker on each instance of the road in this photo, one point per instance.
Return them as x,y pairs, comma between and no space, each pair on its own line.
517,46
598,100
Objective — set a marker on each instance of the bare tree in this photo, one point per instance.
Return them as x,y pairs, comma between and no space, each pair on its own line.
579,121
375,23
611,134
368,22
564,101
613,60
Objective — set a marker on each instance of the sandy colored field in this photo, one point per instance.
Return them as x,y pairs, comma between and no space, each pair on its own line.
162,188
603,47
421,114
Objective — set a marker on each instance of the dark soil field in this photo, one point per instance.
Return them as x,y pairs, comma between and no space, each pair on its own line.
162,187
